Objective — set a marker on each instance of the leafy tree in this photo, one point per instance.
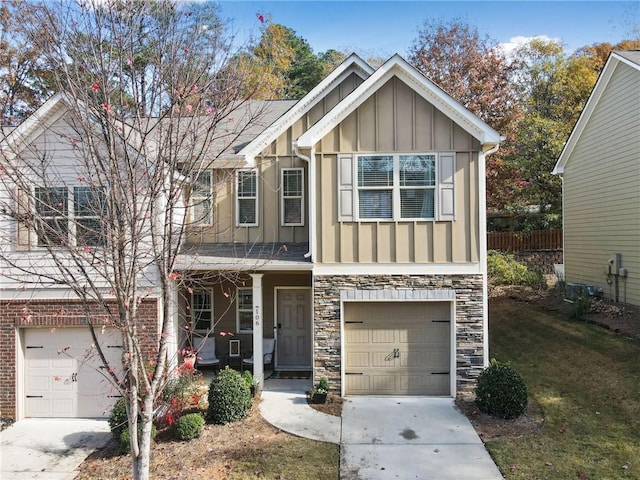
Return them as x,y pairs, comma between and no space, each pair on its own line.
281,65
25,79
473,70
149,104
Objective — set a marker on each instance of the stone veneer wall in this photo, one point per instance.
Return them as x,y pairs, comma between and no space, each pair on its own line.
15,314
469,319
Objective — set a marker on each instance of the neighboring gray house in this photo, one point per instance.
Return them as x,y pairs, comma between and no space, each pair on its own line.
600,169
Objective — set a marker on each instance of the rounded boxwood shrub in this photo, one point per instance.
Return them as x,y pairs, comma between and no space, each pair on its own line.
229,397
118,418
188,426
501,391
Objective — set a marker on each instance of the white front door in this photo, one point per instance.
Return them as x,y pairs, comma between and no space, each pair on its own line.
64,376
294,328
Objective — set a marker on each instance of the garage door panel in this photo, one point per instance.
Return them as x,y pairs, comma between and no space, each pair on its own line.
64,376
397,348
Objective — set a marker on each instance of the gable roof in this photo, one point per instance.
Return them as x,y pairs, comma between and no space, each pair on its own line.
396,66
352,64
630,58
36,123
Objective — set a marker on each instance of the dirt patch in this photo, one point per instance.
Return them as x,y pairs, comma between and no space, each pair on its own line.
221,452
491,428
333,405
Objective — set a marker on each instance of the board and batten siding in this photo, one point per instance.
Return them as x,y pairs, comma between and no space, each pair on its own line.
278,155
602,189
396,119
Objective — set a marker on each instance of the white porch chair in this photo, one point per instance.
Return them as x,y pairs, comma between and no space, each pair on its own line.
206,356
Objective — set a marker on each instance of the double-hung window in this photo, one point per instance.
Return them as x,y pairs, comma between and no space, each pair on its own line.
202,310
244,302
65,219
396,187
89,209
201,199
247,198
292,201
52,210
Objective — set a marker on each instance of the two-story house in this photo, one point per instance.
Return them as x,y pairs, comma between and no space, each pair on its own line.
351,230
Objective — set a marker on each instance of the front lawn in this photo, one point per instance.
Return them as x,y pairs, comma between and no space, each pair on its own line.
587,382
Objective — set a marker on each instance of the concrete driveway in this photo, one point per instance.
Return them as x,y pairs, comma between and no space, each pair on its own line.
410,438
49,449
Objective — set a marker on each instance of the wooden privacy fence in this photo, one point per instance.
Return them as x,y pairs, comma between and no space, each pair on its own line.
521,241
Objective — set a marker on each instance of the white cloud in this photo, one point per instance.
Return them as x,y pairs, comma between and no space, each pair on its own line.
516,42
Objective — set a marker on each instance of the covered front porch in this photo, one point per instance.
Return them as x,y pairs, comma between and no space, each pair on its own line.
245,308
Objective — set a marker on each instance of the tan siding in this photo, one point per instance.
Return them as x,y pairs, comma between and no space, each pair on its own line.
602,189
366,141
424,126
404,106
385,123
385,116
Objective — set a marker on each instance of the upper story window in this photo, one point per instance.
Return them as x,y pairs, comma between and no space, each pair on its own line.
244,302
247,198
292,201
66,219
202,199
202,310
394,187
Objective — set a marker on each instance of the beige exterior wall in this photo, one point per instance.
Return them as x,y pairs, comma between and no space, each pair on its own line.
602,189
396,119
277,156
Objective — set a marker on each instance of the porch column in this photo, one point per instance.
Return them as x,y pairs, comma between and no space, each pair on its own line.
174,320
258,366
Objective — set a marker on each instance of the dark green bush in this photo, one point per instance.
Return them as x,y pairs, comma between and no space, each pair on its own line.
501,391
229,397
504,269
124,439
188,426
118,418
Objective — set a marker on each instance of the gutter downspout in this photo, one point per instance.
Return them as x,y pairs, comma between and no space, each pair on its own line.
482,181
312,199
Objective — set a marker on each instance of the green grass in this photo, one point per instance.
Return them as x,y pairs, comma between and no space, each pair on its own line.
587,381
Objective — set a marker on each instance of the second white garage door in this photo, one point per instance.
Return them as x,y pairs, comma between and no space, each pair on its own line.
64,376
397,348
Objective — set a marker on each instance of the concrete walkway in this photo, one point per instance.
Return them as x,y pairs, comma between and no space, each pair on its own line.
51,449
386,437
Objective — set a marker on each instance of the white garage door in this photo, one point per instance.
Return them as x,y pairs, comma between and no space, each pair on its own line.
64,376
399,348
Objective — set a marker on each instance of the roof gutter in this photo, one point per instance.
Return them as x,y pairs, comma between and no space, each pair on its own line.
312,201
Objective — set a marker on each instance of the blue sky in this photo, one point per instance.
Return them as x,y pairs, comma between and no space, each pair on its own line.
386,27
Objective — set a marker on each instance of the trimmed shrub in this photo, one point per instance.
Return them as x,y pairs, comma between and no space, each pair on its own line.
504,269
124,439
229,397
188,426
501,391
118,421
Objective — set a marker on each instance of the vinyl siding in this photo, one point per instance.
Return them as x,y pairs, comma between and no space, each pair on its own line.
602,189
278,155
395,119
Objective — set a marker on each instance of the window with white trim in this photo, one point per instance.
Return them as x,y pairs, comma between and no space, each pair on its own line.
247,198
396,187
244,308
202,310
70,219
292,197
202,199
